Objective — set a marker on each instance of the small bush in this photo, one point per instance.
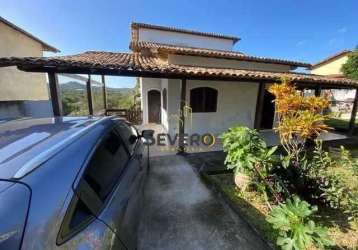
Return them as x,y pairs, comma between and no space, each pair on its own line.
296,229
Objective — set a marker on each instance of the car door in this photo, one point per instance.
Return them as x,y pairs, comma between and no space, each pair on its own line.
93,191
123,211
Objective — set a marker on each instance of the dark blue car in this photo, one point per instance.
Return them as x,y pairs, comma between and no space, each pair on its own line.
70,183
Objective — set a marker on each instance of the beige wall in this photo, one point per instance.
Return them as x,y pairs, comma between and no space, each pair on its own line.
15,84
225,63
331,68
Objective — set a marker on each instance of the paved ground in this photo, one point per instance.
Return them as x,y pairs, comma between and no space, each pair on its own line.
269,136
180,212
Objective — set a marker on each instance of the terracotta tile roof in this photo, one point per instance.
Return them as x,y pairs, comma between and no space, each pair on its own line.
224,54
331,58
45,46
136,64
191,32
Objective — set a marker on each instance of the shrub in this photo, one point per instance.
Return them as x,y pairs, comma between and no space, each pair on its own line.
245,149
300,118
352,206
296,229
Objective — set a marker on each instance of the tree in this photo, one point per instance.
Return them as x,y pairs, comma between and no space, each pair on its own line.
350,68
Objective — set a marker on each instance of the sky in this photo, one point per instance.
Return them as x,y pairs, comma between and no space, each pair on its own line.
302,30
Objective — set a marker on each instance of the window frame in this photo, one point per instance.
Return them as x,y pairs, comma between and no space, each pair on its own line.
203,107
63,237
130,151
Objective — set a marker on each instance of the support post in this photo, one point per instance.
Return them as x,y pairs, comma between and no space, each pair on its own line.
353,114
318,90
181,148
104,92
259,105
55,94
89,95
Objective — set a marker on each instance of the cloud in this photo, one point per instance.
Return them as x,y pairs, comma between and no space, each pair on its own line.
343,30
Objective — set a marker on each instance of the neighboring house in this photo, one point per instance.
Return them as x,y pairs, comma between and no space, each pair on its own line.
332,65
21,93
342,100
213,106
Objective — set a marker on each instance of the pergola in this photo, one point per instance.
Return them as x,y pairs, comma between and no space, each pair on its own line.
141,65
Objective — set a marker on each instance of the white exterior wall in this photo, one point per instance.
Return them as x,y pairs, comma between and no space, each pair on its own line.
147,84
225,63
182,39
14,84
236,104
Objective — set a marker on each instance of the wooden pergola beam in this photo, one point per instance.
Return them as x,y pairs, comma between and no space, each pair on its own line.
150,74
353,114
104,91
318,90
55,94
89,95
181,148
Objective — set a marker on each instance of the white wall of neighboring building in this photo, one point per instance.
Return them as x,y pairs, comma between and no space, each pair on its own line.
16,85
331,68
182,39
225,63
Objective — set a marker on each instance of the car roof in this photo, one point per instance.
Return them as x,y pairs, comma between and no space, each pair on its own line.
26,143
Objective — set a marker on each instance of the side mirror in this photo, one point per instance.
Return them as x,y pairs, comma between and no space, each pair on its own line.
132,139
147,133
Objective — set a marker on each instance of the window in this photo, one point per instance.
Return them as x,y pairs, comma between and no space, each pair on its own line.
203,99
129,135
165,101
106,165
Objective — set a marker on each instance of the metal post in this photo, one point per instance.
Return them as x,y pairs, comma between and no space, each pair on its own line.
55,94
89,96
353,114
181,148
104,92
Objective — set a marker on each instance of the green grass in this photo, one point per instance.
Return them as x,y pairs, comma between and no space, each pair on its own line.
341,124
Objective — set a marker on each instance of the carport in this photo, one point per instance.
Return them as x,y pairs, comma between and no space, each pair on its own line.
139,65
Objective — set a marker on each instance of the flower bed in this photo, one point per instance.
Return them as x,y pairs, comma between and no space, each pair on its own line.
251,205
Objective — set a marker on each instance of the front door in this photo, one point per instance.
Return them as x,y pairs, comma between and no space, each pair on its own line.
153,106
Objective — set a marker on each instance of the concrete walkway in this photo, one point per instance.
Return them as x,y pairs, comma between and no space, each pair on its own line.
180,212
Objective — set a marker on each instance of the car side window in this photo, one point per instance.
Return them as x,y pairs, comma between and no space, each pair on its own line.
129,135
99,179
106,165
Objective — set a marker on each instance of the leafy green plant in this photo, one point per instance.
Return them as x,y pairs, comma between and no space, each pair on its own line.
352,206
245,149
326,186
296,230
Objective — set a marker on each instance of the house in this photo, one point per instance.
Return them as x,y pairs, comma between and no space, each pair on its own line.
342,99
191,82
331,66
22,94
213,106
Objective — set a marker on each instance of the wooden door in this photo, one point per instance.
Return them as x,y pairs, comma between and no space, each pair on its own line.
154,106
